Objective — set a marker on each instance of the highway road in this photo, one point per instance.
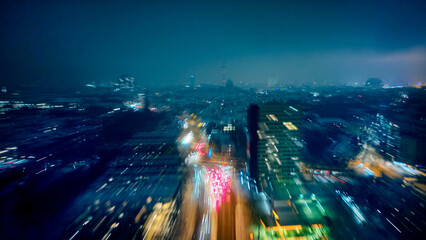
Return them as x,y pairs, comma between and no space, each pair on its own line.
211,193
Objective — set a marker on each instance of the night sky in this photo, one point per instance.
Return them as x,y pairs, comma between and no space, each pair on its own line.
70,43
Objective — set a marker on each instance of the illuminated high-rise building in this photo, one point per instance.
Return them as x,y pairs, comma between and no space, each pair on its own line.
125,82
274,144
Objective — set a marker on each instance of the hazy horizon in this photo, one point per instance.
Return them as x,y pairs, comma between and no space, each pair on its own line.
164,42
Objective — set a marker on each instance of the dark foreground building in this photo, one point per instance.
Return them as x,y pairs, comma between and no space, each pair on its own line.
274,145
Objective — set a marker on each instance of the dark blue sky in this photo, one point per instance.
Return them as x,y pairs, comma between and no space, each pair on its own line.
163,42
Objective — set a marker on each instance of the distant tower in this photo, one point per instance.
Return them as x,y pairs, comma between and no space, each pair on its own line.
223,72
192,81
146,100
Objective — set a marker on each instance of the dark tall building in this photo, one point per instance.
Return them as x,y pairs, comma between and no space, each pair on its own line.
146,99
253,139
413,128
274,145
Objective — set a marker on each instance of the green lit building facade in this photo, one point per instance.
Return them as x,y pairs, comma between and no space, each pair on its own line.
274,144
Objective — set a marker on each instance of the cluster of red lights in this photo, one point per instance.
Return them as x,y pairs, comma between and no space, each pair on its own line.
199,147
220,185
